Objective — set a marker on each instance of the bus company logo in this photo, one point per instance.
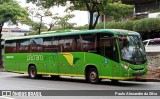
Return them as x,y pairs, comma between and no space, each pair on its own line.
40,57
35,57
6,93
69,57
9,56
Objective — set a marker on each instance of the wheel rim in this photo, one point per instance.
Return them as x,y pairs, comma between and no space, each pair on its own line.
93,76
32,72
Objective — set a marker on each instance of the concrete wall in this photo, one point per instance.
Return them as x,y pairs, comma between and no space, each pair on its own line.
153,60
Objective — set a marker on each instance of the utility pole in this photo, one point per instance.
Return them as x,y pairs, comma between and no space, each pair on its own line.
1,60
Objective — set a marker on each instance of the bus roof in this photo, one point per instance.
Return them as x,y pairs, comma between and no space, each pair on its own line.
112,31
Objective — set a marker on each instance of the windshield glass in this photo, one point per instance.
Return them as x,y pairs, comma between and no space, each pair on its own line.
132,49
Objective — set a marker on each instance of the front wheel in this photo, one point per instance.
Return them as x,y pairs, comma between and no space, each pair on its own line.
92,76
32,71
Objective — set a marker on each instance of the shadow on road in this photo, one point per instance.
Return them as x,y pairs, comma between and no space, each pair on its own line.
82,80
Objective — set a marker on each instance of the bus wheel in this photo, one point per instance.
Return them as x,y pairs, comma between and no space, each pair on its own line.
92,76
33,72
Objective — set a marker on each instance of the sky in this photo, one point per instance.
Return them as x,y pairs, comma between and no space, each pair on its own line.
81,17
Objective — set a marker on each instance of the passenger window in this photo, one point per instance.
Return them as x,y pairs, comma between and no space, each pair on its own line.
47,44
10,46
89,42
67,44
23,45
36,44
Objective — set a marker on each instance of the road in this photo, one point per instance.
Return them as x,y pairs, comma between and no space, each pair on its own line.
13,81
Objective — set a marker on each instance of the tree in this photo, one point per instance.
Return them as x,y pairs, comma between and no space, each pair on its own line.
63,21
10,11
93,6
39,12
54,22
123,10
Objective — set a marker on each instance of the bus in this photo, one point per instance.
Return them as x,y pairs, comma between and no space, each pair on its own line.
91,54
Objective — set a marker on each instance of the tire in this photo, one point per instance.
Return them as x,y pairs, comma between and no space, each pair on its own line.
32,71
92,76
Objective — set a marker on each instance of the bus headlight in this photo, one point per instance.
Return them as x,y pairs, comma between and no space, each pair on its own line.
125,66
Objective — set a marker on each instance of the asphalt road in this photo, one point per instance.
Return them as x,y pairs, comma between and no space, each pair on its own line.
13,81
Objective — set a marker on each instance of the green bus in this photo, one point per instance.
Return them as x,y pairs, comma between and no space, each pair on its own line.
92,54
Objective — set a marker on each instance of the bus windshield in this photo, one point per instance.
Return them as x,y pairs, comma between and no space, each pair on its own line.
132,49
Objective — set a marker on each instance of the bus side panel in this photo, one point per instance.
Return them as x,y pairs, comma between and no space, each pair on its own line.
22,62
66,64
51,63
11,62
101,63
38,60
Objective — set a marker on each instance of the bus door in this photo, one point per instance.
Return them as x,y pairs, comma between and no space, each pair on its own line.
109,50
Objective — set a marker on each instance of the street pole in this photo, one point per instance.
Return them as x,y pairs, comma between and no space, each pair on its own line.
1,60
104,21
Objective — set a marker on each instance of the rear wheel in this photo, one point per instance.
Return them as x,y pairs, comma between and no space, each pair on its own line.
32,71
92,76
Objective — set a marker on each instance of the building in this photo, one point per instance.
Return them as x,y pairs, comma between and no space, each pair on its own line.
12,32
143,7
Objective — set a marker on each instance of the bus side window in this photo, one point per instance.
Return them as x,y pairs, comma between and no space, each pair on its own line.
47,44
23,45
79,43
55,44
67,44
89,43
36,45
10,46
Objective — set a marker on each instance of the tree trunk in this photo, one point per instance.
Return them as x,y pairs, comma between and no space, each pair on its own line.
39,30
50,27
91,20
1,60
95,23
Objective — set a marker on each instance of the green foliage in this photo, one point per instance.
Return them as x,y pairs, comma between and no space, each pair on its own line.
92,6
142,25
13,12
117,10
63,21
49,3
10,11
